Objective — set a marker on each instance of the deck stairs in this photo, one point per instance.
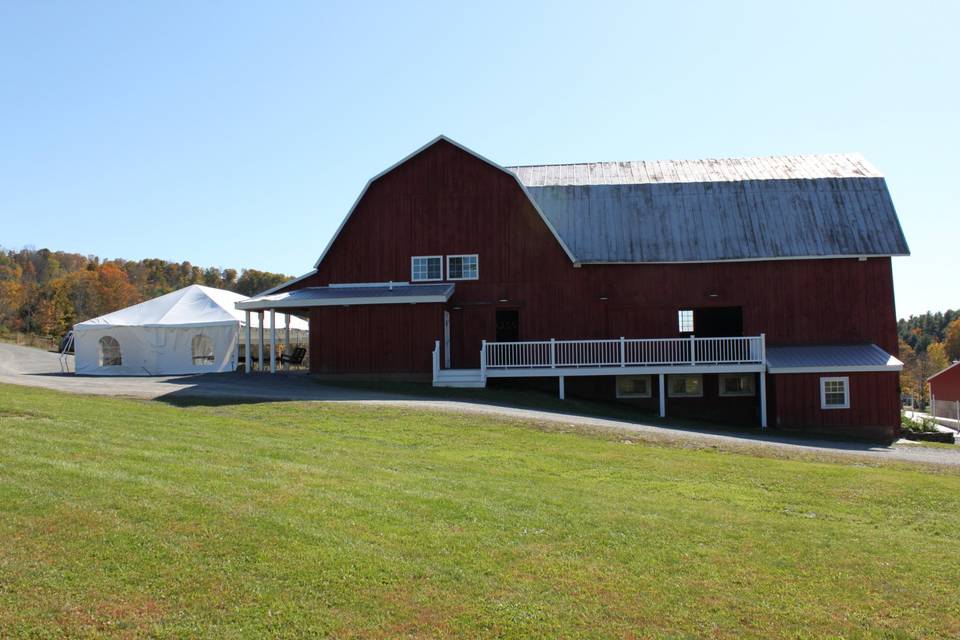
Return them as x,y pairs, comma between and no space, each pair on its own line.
463,378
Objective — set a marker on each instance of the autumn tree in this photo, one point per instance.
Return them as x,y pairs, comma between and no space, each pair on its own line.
952,340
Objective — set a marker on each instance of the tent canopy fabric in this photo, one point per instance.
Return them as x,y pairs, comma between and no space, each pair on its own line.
195,305
193,330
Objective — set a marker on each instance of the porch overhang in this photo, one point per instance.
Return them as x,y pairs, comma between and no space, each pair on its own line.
842,358
349,295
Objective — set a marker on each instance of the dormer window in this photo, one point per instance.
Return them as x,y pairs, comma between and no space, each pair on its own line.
426,268
463,267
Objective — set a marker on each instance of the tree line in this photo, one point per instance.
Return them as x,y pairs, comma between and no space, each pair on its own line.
928,344
45,292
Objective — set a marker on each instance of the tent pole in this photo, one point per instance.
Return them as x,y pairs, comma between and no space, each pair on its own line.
286,341
247,355
260,345
273,340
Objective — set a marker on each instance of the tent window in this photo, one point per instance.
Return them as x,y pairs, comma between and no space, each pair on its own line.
110,352
202,350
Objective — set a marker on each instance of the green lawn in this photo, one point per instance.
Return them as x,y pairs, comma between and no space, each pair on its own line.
136,519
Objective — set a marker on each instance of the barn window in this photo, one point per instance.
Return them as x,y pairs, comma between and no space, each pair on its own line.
465,267
835,393
736,385
633,386
110,352
202,348
423,268
685,320
690,386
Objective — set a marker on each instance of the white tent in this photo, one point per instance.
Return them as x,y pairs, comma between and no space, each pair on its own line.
192,330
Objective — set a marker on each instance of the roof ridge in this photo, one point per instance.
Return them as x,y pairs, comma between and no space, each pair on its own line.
846,154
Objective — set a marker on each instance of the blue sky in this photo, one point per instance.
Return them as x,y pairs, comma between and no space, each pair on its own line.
237,134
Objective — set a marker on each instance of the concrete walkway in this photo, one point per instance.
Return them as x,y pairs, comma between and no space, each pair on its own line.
36,368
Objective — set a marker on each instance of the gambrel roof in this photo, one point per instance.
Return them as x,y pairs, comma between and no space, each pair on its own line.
778,207
718,210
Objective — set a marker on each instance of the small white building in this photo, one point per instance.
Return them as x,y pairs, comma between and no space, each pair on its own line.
192,330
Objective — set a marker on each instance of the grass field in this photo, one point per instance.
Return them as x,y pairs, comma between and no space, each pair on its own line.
123,518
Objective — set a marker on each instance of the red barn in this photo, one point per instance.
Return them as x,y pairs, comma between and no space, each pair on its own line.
751,290
945,392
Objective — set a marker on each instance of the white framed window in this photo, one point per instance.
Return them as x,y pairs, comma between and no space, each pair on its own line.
740,384
685,320
463,267
633,386
686,386
835,393
202,349
110,355
426,268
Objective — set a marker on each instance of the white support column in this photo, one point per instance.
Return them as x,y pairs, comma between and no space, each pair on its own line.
260,344
273,340
247,355
663,397
763,399
563,392
286,341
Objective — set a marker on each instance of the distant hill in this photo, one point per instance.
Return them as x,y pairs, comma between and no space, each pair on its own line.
45,292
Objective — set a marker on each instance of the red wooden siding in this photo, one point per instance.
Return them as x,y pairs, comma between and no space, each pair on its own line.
377,338
946,386
874,404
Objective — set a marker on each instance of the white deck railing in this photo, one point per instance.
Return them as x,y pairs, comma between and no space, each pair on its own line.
625,352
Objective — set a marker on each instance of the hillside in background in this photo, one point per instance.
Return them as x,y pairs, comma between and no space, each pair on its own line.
928,343
45,292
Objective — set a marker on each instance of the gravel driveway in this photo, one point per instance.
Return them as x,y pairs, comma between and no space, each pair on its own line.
37,368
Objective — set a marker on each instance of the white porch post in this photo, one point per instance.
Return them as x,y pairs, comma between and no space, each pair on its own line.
247,355
763,399
260,345
563,393
286,341
663,397
273,340
763,381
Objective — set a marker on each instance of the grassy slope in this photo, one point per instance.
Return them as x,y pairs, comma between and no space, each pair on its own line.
129,519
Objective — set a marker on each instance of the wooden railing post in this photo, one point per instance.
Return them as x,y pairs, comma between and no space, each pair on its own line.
623,351
553,353
693,350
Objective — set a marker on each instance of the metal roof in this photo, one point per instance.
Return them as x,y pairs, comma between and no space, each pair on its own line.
830,358
715,210
339,295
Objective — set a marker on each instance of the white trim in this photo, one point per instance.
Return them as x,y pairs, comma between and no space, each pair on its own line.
285,284
671,394
336,234
853,256
735,394
358,285
463,255
846,392
440,279
337,302
879,368
547,372
648,394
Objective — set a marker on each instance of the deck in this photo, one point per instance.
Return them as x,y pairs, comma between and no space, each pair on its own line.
610,357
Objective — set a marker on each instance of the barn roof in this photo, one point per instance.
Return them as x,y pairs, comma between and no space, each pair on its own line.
351,294
815,206
830,357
